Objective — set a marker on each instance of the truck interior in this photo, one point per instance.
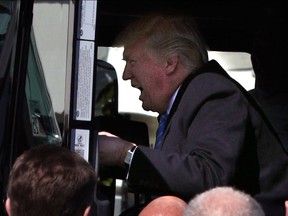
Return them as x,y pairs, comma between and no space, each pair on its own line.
226,25
37,55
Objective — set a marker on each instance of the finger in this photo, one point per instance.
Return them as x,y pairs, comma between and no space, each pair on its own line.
105,133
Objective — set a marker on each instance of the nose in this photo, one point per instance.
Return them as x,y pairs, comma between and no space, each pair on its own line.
127,73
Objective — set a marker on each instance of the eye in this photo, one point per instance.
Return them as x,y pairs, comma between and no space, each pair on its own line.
132,61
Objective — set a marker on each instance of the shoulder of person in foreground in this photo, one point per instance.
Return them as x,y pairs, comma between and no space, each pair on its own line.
224,201
53,180
164,206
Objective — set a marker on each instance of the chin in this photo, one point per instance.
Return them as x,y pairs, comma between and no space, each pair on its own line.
146,108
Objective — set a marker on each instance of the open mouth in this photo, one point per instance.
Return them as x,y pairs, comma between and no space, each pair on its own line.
141,90
138,87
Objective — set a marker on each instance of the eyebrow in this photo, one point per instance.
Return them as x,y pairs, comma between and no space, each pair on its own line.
124,55
125,58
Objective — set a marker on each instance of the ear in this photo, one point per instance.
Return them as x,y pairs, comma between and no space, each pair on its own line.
171,63
87,211
8,206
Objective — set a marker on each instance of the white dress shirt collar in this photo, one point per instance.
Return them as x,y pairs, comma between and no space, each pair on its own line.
172,100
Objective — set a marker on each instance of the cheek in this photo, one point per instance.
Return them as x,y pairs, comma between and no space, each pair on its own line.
152,76
154,91
152,83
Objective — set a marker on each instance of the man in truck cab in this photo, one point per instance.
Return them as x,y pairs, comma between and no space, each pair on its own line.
214,133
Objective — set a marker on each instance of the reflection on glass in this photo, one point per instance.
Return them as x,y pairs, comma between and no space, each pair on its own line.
42,116
106,90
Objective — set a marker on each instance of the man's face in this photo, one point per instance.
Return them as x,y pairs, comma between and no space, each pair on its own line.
148,75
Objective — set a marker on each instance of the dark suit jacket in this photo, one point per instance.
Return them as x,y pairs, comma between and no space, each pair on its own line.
216,136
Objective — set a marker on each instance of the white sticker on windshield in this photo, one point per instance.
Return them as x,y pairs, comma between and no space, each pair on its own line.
81,142
84,80
87,21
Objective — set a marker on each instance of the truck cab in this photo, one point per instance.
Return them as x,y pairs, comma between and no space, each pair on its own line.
61,76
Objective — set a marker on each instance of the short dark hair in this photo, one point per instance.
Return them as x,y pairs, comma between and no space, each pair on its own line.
51,180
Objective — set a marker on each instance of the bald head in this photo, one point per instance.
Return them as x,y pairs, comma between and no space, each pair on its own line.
164,206
223,201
